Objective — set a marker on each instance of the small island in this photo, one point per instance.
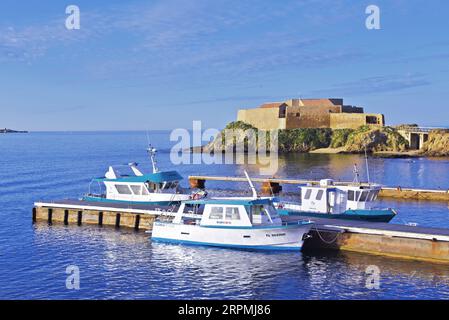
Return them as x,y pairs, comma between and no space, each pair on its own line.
330,126
12,131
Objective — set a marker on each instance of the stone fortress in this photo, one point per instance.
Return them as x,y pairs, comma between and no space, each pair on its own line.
309,113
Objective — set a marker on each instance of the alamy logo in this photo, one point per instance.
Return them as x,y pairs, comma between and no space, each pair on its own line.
73,21
230,146
372,22
72,282
373,279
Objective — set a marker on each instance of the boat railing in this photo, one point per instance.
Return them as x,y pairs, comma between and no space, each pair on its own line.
95,195
298,222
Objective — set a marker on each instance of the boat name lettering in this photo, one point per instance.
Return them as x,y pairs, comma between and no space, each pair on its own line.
275,235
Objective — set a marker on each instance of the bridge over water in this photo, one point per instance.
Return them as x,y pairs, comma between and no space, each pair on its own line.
416,136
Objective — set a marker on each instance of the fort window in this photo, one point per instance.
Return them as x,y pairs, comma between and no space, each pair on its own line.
297,114
282,111
372,120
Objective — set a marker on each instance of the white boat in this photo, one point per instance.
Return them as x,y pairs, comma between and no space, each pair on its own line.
328,200
246,223
158,187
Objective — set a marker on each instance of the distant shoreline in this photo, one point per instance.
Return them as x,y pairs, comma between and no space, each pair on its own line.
12,131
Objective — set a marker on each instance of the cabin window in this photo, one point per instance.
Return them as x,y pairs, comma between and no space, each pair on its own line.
308,194
123,189
319,195
258,214
364,196
151,186
257,210
136,190
170,185
216,213
271,211
350,195
232,213
357,195
145,191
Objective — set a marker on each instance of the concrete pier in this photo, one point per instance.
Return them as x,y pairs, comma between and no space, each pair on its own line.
415,194
409,242
274,186
77,212
400,241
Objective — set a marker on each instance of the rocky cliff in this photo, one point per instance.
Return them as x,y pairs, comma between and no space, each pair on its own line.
437,145
374,139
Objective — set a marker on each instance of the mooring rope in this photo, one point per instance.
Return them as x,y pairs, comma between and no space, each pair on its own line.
322,239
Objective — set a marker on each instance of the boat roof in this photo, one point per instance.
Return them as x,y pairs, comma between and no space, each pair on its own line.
232,201
158,177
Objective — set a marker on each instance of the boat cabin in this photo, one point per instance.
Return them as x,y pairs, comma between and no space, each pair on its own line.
138,186
332,199
361,196
227,212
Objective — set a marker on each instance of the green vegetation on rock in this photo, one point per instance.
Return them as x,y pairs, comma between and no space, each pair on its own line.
340,137
309,139
437,145
304,139
375,139
239,125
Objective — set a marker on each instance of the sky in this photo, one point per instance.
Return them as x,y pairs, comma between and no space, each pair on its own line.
156,65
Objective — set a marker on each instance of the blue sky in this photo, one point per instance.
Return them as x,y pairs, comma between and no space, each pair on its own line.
140,65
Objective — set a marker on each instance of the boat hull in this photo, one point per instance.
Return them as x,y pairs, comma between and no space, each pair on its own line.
384,215
290,237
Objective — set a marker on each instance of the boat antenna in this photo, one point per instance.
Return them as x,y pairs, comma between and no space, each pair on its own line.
251,185
367,165
152,153
356,174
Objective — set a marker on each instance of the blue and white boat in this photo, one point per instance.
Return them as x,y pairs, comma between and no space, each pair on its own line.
156,188
244,223
354,202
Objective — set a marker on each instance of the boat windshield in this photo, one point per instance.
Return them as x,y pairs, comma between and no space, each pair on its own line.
162,186
362,196
194,208
260,214
271,211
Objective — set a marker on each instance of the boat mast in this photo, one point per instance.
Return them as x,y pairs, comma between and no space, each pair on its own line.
152,153
367,166
356,174
251,185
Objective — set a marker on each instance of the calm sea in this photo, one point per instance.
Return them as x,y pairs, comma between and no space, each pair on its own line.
126,265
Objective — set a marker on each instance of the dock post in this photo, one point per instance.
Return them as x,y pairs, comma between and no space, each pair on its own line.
197,183
34,214
80,218
117,220
66,217
50,215
136,224
100,218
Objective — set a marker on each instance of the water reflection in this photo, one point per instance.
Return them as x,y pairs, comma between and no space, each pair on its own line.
124,264
126,259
